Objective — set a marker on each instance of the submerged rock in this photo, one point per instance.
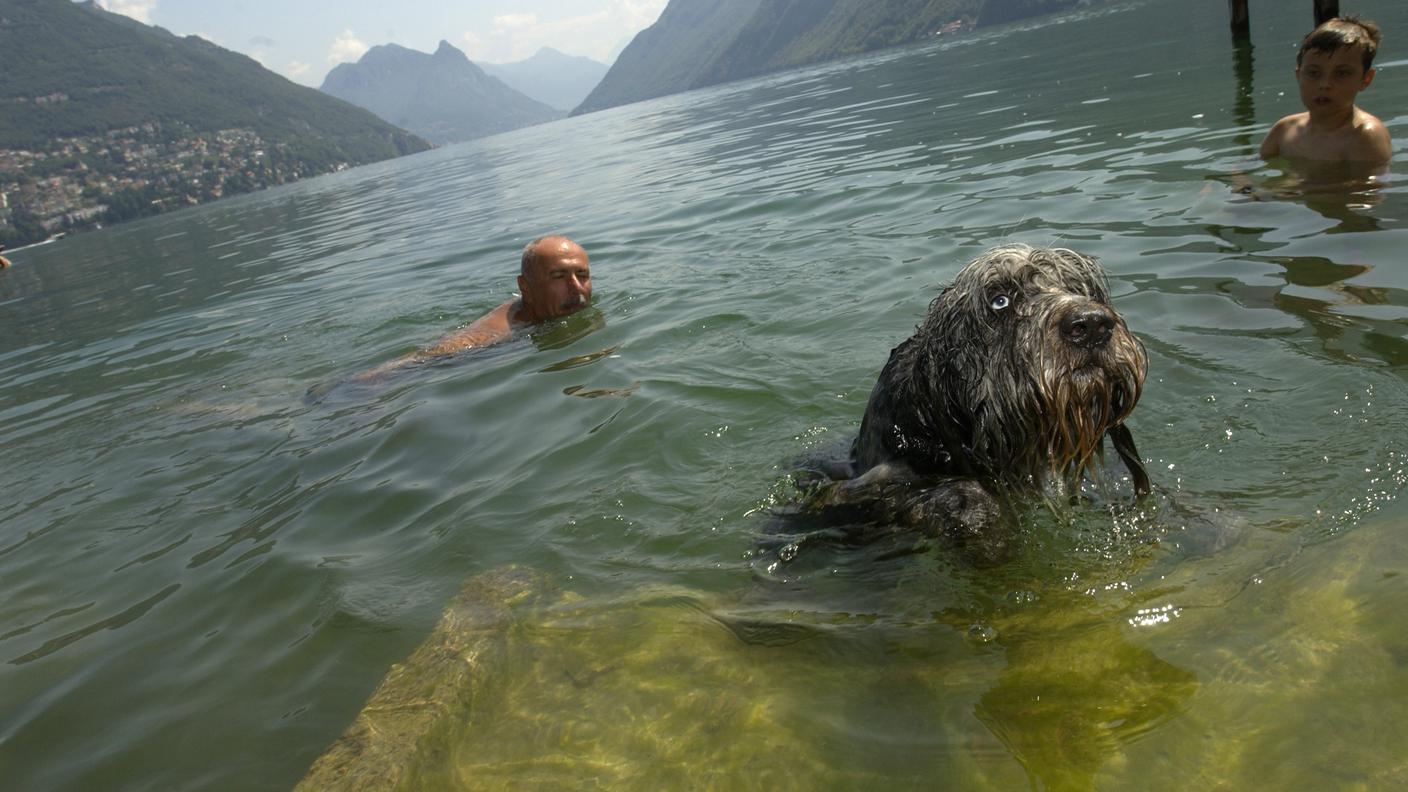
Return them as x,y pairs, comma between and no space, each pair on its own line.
416,711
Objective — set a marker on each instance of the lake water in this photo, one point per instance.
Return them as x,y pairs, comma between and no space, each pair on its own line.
206,576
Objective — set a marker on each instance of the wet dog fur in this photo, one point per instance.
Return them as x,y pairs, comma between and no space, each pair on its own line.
1018,372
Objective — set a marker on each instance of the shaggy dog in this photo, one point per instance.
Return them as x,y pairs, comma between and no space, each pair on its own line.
1016,375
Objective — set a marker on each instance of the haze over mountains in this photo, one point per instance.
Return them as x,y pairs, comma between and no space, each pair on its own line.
442,97
558,80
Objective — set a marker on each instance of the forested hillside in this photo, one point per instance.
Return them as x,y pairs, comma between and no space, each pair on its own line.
72,69
704,42
103,119
675,54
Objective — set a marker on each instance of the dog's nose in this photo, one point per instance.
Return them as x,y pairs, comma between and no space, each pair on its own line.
1089,326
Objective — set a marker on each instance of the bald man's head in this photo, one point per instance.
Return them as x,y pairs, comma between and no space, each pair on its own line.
554,278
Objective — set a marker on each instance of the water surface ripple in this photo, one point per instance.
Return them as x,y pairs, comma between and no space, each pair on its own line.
206,573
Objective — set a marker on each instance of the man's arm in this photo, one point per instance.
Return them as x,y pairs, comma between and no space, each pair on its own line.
489,329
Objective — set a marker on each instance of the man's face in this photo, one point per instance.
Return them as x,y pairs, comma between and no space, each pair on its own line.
1329,81
560,283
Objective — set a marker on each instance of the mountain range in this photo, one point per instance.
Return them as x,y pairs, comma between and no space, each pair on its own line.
103,118
696,43
441,96
558,80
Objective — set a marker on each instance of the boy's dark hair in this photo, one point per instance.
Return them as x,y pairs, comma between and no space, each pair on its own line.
1345,31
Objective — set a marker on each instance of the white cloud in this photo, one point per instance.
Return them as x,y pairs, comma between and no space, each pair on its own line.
637,15
471,44
514,21
262,55
346,48
517,36
297,70
140,10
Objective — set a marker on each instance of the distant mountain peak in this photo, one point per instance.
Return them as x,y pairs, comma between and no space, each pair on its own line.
446,49
383,52
442,96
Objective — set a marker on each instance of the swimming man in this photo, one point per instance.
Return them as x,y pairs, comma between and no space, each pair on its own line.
1334,64
554,280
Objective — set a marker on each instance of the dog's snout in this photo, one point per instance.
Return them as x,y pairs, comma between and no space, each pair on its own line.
1089,326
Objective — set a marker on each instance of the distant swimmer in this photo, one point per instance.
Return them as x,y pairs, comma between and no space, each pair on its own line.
1334,64
555,280
4,262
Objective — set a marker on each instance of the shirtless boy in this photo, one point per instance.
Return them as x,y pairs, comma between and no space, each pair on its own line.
1335,63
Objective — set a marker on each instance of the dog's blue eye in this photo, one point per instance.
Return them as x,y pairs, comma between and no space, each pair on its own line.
1000,301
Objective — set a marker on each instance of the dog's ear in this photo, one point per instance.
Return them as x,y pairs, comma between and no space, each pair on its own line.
1124,446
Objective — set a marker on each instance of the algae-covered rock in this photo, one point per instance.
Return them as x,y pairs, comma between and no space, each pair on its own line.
1232,672
416,711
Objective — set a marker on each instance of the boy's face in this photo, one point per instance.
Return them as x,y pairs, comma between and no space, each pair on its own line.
1329,81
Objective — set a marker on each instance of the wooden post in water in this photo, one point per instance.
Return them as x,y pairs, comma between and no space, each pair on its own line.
1244,105
1326,10
1241,21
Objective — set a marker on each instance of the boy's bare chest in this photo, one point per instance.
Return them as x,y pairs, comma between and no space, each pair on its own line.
1308,141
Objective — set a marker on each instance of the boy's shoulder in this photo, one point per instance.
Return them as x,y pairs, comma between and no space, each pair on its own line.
1364,138
1371,139
1293,121
1287,129
1366,122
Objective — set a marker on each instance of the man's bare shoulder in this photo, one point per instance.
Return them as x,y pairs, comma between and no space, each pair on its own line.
491,328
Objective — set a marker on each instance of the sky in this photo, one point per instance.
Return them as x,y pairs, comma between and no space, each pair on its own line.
304,39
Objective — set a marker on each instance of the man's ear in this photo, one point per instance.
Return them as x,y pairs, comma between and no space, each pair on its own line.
1368,78
522,285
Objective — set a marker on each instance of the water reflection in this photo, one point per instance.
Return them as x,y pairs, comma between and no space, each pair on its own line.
1339,194
1244,105
568,330
1316,289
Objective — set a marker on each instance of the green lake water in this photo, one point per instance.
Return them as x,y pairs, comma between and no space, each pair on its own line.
207,575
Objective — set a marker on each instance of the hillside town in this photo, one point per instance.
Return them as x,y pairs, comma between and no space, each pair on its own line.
76,183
